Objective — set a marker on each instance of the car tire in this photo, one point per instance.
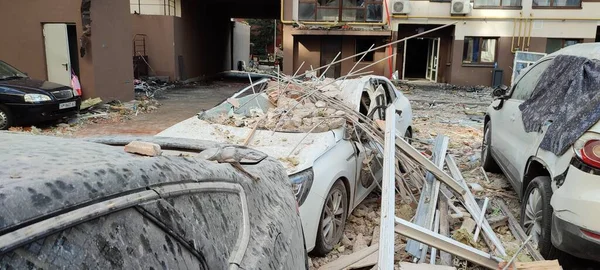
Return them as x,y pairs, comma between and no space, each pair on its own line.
330,233
6,118
487,161
537,200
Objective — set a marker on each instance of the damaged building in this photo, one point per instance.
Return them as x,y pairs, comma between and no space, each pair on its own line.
481,45
107,43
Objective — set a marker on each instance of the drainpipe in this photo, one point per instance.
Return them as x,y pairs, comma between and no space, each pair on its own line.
232,28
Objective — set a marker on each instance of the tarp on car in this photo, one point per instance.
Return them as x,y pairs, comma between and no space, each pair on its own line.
567,96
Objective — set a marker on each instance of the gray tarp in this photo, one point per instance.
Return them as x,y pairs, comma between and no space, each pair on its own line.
568,96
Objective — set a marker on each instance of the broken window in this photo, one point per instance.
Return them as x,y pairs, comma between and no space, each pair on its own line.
341,10
496,3
555,44
363,44
556,3
527,83
479,50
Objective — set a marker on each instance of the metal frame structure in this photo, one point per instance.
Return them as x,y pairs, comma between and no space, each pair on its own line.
408,229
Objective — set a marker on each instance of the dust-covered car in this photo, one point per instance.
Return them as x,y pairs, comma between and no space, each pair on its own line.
74,204
331,166
544,134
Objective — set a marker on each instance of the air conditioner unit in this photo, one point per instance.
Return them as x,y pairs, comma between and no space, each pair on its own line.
400,7
460,7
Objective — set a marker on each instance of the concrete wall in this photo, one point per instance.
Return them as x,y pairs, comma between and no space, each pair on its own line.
111,49
108,57
307,49
160,36
241,43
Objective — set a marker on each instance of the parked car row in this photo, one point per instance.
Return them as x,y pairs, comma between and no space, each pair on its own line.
28,101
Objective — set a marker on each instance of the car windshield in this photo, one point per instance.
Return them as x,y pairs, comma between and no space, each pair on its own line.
8,72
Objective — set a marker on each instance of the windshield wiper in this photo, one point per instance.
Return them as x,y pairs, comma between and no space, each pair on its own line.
12,77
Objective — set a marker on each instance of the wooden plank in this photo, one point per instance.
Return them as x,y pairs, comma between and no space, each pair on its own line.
445,257
414,266
344,261
539,265
518,232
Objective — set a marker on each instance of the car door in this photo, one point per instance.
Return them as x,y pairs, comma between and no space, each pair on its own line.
509,138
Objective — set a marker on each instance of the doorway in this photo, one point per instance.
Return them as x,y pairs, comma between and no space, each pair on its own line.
421,59
598,34
330,47
60,44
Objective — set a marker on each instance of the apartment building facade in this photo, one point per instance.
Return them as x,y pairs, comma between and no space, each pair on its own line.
483,37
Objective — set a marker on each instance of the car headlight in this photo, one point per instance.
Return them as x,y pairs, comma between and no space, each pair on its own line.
36,98
301,183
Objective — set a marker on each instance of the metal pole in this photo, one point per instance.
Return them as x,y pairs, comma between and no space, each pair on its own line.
386,230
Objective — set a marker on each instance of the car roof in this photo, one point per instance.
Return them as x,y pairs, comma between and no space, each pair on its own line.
587,50
41,175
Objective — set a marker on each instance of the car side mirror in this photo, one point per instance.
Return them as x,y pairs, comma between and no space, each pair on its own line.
500,91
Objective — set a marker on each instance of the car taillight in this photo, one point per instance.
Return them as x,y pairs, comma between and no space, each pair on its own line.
591,234
77,92
590,153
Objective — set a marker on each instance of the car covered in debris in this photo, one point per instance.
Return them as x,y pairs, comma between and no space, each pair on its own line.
331,167
544,134
27,101
199,204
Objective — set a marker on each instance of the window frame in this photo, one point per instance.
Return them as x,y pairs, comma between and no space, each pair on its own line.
475,6
552,6
340,8
512,90
563,41
480,64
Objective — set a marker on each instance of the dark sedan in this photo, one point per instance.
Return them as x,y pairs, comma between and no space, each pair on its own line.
27,101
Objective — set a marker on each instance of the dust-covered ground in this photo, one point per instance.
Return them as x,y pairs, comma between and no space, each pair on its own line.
458,114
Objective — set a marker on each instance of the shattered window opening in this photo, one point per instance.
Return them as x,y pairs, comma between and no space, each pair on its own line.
479,50
496,3
555,44
362,45
341,10
556,3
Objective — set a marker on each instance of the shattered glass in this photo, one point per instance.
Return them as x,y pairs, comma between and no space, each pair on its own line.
567,97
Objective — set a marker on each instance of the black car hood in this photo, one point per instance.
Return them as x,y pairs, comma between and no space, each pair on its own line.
31,86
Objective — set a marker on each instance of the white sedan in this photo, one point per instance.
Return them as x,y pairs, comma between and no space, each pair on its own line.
327,172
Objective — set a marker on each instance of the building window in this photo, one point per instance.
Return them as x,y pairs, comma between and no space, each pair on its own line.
479,50
156,7
363,44
341,10
497,3
556,3
555,44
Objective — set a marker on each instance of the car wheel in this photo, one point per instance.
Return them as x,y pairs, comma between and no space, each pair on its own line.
536,216
5,118
487,161
333,219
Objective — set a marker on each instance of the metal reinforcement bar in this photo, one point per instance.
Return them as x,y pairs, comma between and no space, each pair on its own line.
444,243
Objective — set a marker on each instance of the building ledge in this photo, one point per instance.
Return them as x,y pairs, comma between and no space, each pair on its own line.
321,32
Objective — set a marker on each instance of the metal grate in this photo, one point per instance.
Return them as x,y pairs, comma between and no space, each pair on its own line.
63,94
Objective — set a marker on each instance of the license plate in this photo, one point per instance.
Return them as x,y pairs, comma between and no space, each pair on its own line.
67,105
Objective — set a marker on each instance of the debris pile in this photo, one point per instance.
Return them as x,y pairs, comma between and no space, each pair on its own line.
285,108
